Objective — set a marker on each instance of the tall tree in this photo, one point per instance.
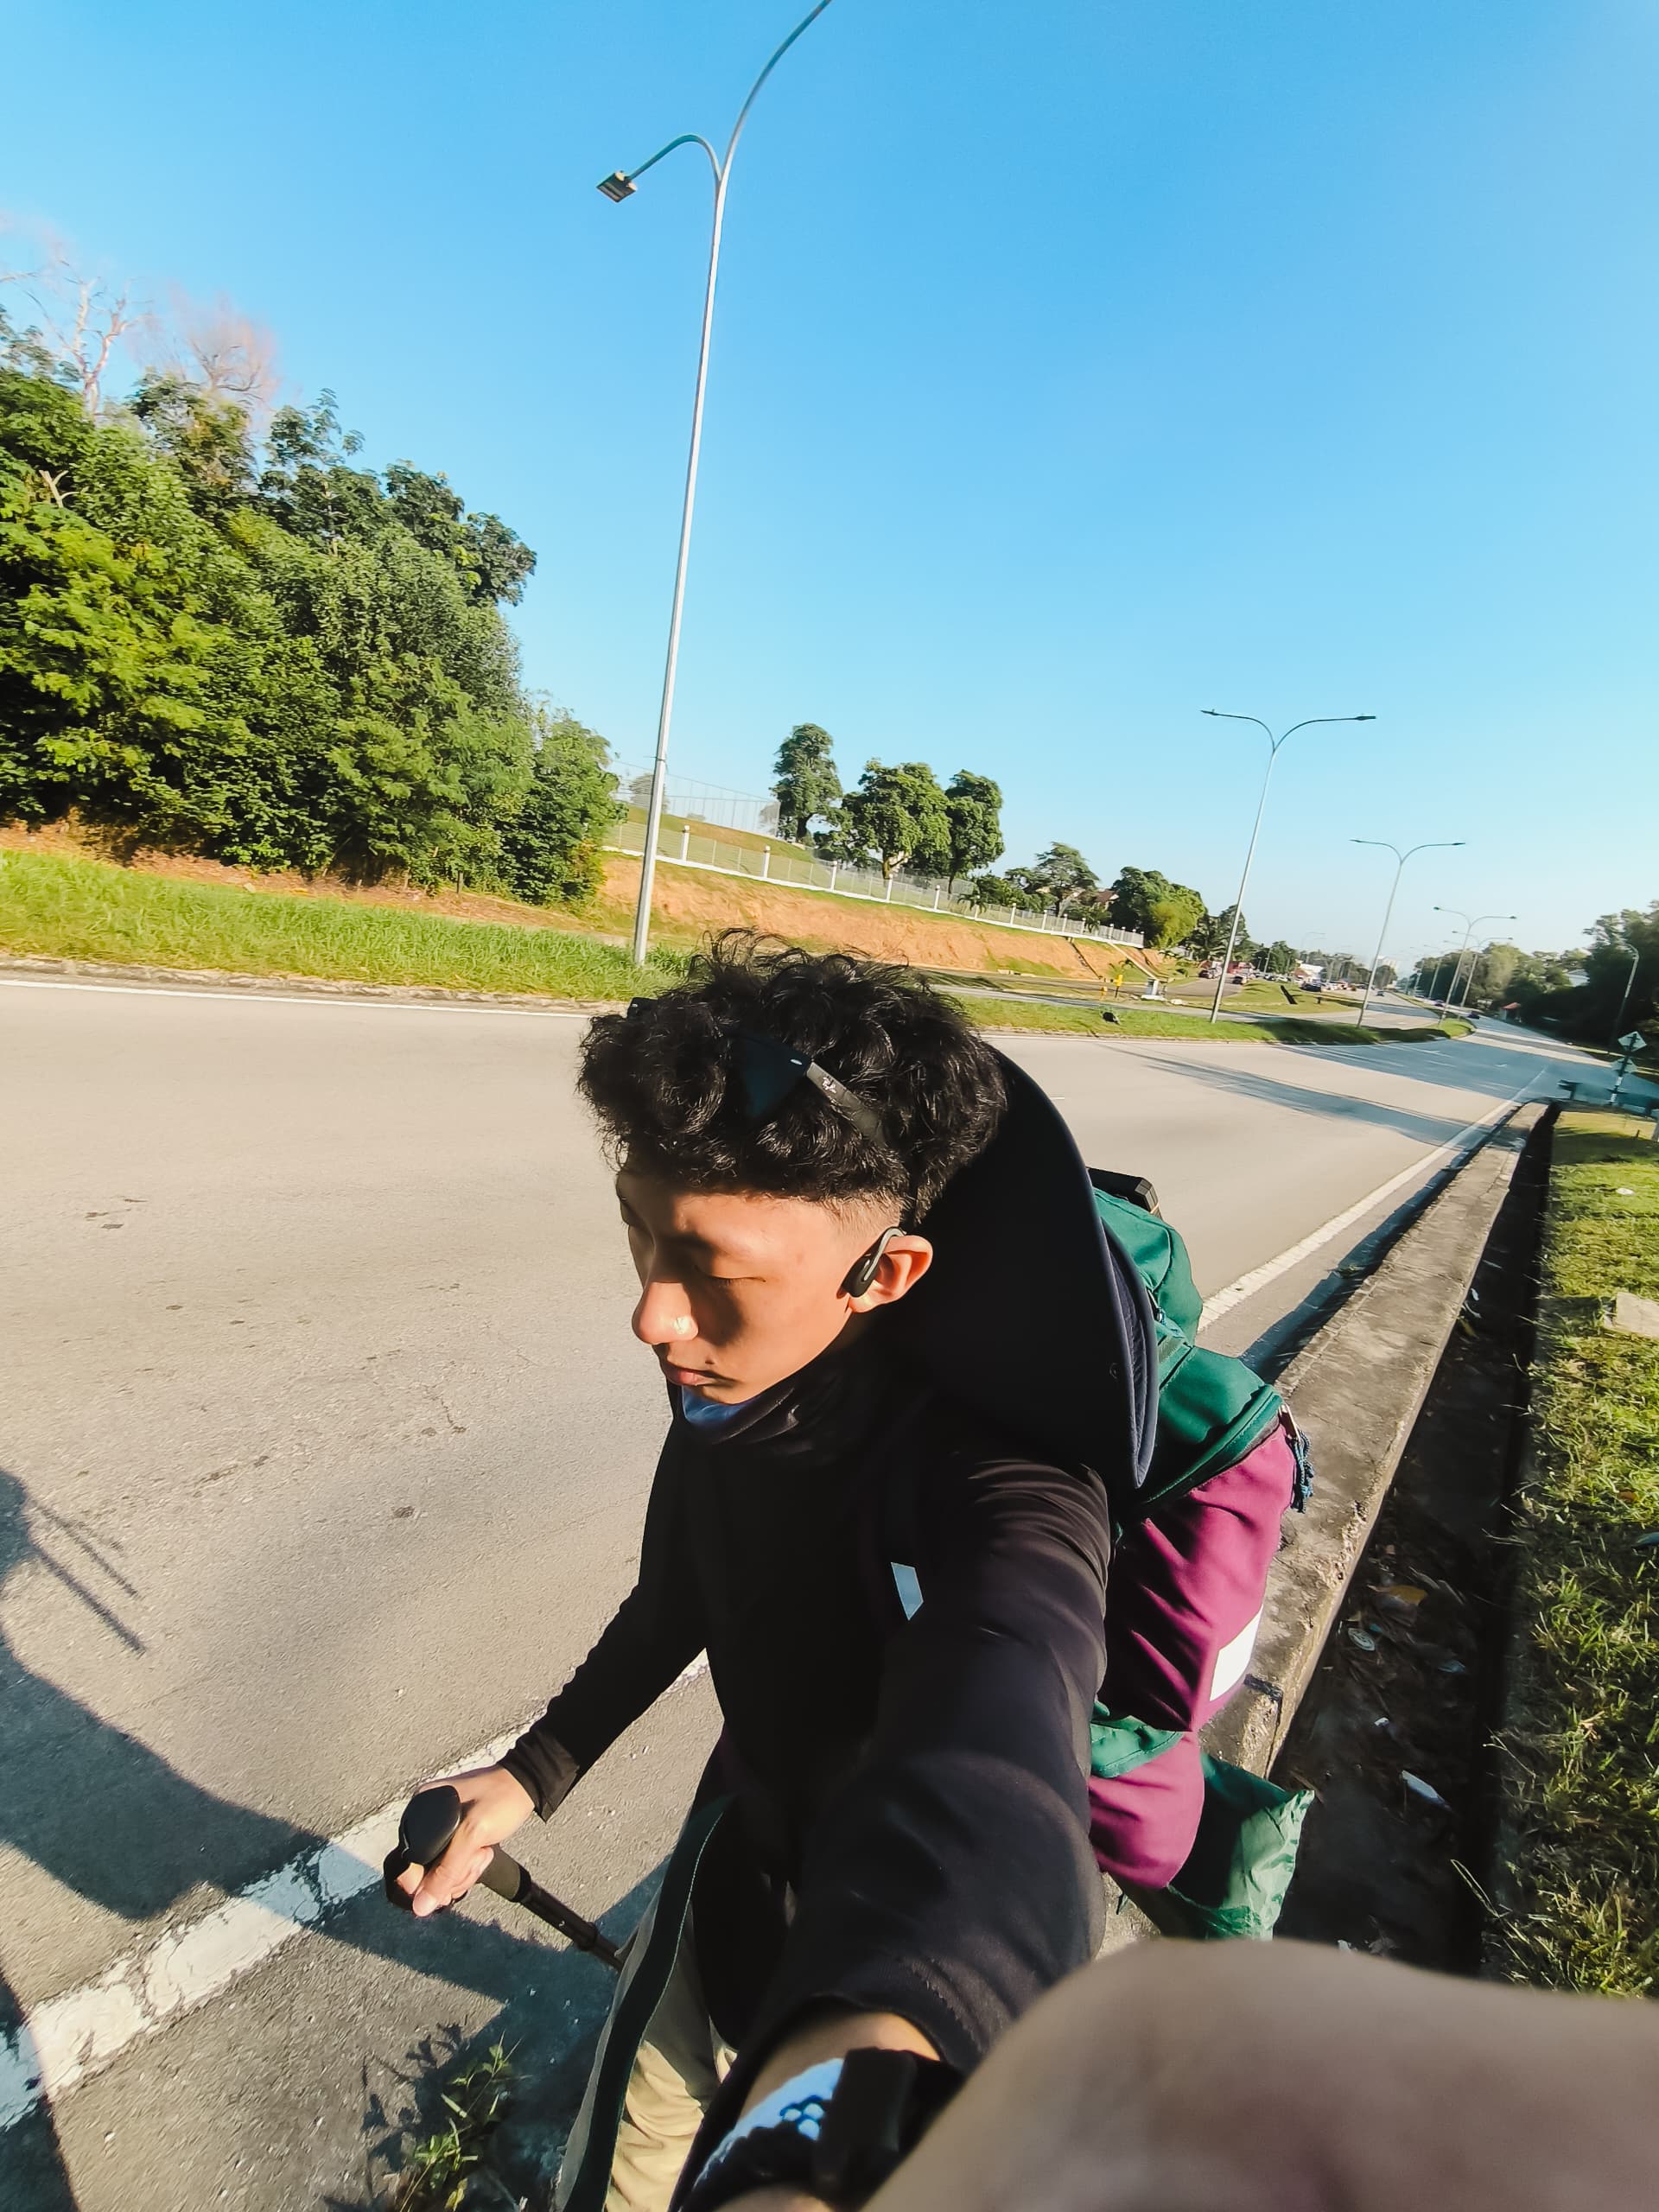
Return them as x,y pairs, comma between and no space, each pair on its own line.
204,435
1207,939
550,848
1062,871
303,667
898,813
974,804
1170,919
1223,931
1139,890
806,784
1009,890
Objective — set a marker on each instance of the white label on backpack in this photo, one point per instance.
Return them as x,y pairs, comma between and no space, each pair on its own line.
1232,1659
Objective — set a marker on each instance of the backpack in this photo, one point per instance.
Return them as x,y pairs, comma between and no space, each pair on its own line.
1212,1413
1212,1410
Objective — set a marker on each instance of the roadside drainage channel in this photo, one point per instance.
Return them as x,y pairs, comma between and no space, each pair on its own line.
1395,1728
1356,1390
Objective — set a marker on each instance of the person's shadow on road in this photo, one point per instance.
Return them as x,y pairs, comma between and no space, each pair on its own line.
112,1820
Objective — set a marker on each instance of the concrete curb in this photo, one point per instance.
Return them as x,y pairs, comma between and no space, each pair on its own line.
1356,1390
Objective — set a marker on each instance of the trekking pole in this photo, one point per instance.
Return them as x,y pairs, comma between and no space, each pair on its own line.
424,1834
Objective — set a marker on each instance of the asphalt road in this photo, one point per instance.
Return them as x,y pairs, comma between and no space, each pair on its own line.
322,1453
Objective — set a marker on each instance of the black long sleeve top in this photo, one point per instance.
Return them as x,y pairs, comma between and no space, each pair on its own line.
913,1832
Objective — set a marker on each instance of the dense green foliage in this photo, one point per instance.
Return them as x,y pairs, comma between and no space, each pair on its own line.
990,892
896,816
1165,914
807,785
1620,992
275,659
973,806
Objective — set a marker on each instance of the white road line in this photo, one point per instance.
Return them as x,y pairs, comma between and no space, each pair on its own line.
241,994
1258,1278
67,2038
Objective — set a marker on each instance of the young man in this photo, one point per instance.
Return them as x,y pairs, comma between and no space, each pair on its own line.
866,1254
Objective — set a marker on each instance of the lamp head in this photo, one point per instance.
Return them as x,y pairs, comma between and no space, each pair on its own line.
617,185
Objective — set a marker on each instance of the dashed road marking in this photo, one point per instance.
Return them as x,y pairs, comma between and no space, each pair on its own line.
1258,1278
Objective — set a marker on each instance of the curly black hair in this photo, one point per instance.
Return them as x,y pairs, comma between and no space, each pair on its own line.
665,1082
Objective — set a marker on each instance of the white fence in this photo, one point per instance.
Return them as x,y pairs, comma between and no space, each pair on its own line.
692,848
711,802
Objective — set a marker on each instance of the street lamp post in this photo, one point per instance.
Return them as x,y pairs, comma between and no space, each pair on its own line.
1274,743
1435,845
1625,996
1474,922
620,186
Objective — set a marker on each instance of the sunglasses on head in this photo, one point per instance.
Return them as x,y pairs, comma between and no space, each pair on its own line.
769,1071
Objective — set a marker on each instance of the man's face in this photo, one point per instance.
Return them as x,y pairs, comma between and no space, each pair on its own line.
737,1291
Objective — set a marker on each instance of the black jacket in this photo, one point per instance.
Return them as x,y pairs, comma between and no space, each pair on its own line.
911,1833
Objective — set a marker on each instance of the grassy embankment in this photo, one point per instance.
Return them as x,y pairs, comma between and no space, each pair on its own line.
1583,1725
83,910
62,908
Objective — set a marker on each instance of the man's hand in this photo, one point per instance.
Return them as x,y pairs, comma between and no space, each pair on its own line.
492,1804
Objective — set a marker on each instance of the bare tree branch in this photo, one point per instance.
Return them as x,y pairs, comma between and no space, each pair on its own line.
80,316
214,344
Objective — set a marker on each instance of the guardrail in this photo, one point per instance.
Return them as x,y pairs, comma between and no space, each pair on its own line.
800,871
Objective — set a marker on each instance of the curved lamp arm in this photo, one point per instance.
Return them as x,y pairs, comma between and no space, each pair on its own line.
621,183
1220,713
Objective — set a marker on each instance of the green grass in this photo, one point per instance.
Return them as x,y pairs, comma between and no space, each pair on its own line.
1250,996
83,910
440,2167
753,840
1136,1019
88,910
1583,1726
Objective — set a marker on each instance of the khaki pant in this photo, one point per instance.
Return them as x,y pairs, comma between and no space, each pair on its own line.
680,2063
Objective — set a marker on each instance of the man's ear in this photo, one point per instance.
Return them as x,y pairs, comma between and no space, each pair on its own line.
905,1259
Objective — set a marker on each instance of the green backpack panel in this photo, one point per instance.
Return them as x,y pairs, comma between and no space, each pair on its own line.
1212,1410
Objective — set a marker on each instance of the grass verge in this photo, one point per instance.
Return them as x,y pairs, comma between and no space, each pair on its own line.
61,909
1582,1727
992,1011
84,910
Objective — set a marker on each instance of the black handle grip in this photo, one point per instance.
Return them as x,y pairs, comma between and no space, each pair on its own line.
428,1825
425,1832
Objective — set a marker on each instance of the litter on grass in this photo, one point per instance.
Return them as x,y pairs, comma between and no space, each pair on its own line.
1402,1597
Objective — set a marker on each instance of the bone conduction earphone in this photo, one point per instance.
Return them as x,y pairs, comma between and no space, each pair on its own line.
863,1271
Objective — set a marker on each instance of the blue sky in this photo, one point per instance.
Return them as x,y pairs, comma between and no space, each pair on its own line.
1079,365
